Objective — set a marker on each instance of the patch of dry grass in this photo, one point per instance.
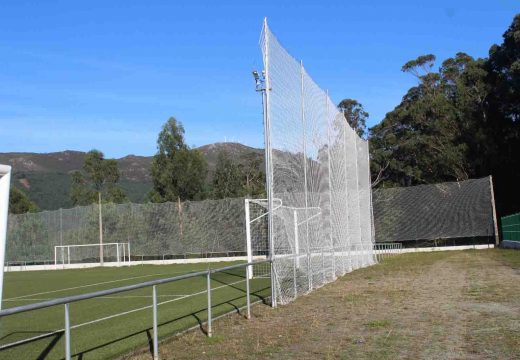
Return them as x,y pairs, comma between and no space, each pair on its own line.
442,305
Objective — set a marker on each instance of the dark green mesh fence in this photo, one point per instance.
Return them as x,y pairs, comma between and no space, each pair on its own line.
511,227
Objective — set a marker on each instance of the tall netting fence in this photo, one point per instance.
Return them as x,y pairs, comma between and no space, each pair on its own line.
452,213
321,220
209,228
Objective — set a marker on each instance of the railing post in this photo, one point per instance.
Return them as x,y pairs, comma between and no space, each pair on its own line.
248,300
273,284
155,334
67,333
209,303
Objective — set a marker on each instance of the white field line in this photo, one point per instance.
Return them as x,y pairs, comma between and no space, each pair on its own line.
96,284
114,316
150,306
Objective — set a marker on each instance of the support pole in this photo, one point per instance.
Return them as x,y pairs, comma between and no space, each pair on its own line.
5,182
309,256
495,224
209,303
296,240
327,116
248,238
100,231
248,300
268,160
155,334
67,333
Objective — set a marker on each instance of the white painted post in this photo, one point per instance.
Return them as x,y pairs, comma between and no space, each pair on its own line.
68,255
55,258
100,232
248,239
67,333
117,254
155,333
248,300
209,333
129,256
5,182
268,164
296,239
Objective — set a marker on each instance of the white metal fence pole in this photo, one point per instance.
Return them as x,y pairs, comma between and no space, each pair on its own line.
100,231
209,303
155,333
268,159
296,240
309,259
248,300
248,237
5,183
67,333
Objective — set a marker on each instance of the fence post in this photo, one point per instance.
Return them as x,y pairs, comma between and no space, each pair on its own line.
248,300
67,333
248,237
273,284
155,334
495,224
209,303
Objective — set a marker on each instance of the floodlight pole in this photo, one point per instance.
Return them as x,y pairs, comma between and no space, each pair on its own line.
268,166
5,182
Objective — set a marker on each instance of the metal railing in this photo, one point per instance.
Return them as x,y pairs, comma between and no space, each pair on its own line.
384,250
66,301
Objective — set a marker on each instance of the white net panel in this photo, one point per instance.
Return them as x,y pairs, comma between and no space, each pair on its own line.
320,181
434,212
209,228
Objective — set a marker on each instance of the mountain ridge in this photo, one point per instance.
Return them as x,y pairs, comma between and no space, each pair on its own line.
45,177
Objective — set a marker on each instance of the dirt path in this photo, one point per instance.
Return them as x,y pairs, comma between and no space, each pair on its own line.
451,305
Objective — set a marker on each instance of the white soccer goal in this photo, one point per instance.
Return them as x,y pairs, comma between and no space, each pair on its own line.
88,255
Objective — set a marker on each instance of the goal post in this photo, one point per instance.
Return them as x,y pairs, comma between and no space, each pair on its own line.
114,254
5,182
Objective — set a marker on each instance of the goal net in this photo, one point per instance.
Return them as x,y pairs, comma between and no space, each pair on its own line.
110,254
320,218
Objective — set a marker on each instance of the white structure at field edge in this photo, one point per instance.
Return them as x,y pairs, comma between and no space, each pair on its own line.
5,181
318,180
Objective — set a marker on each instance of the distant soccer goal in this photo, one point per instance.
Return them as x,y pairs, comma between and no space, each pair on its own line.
89,255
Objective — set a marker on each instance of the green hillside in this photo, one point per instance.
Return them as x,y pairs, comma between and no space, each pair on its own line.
46,180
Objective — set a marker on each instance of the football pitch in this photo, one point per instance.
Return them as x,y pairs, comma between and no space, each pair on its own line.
111,326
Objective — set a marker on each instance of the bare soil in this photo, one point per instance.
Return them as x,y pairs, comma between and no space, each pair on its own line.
442,305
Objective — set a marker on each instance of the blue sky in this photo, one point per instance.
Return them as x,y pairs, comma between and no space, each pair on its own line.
107,74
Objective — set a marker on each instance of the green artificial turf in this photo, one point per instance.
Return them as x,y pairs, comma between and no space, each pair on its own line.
119,335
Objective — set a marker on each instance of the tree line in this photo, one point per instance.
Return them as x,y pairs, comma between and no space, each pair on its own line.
459,121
